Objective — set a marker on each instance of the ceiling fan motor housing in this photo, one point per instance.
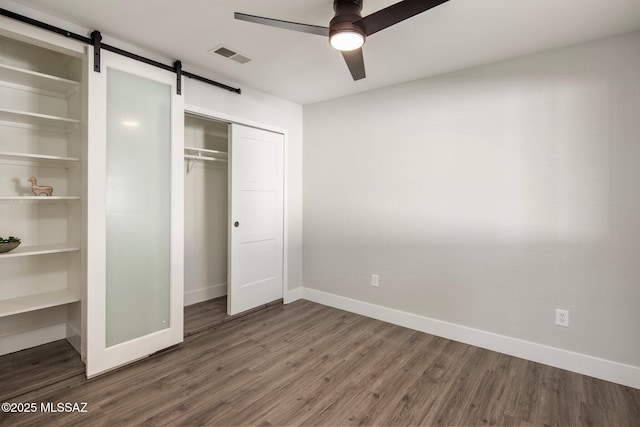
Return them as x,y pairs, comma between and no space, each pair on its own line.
347,13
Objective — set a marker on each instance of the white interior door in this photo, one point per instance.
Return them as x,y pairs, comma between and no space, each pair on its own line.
135,200
256,213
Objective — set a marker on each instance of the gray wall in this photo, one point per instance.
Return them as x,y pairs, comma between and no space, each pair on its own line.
488,198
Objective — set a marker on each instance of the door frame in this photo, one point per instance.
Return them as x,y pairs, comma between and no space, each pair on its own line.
222,117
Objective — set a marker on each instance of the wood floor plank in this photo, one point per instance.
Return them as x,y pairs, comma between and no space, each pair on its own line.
324,353
201,315
36,367
429,390
306,364
325,381
494,389
237,357
367,367
56,361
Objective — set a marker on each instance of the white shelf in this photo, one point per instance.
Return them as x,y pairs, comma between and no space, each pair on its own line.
205,158
204,150
41,114
40,158
194,153
9,307
44,199
222,134
34,250
37,119
34,79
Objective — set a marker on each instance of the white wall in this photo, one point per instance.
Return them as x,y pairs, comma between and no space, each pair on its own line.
488,198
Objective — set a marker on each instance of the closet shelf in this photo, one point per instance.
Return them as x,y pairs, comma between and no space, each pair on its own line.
205,154
21,251
35,199
37,119
40,158
206,151
37,80
222,134
206,158
9,307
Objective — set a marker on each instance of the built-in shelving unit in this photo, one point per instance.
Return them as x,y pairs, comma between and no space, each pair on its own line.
41,135
38,82
61,161
12,306
38,199
38,120
22,251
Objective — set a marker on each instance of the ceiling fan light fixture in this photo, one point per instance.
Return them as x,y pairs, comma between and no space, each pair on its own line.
348,30
346,40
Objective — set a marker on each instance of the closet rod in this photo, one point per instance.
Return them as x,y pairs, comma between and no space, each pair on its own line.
113,49
205,150
208,159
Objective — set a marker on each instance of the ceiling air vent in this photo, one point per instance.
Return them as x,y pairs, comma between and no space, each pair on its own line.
230,54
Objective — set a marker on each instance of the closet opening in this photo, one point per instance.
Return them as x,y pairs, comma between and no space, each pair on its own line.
234,220
206,147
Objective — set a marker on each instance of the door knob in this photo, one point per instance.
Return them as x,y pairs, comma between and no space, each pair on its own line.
236,224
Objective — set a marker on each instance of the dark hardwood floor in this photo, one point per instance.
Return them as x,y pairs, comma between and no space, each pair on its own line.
203,315
307,364
50,363
37,367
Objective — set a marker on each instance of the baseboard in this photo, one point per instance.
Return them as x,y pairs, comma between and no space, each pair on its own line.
292,295
17,342
575,362
205,294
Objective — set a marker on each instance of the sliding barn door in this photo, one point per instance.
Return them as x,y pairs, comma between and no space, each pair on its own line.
256,212
135,213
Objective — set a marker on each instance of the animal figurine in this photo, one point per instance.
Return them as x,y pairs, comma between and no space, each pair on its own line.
40,190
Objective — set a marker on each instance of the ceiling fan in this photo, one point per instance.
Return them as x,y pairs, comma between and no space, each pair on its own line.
348,30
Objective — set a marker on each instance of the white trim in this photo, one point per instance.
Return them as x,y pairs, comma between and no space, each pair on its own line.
17,342
74,337
26,33
204,294
575,362
293,295
285,214
211,114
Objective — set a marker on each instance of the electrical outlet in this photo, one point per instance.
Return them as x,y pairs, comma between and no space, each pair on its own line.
562,317
374,280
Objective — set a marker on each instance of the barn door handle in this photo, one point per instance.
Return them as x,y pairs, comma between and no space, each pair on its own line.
236,224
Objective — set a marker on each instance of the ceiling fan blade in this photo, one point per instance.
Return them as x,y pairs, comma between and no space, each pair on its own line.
355,62
295,26
395,13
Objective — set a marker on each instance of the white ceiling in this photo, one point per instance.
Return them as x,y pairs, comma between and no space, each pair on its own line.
305,69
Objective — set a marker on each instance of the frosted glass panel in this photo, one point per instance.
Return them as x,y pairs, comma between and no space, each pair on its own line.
138,206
